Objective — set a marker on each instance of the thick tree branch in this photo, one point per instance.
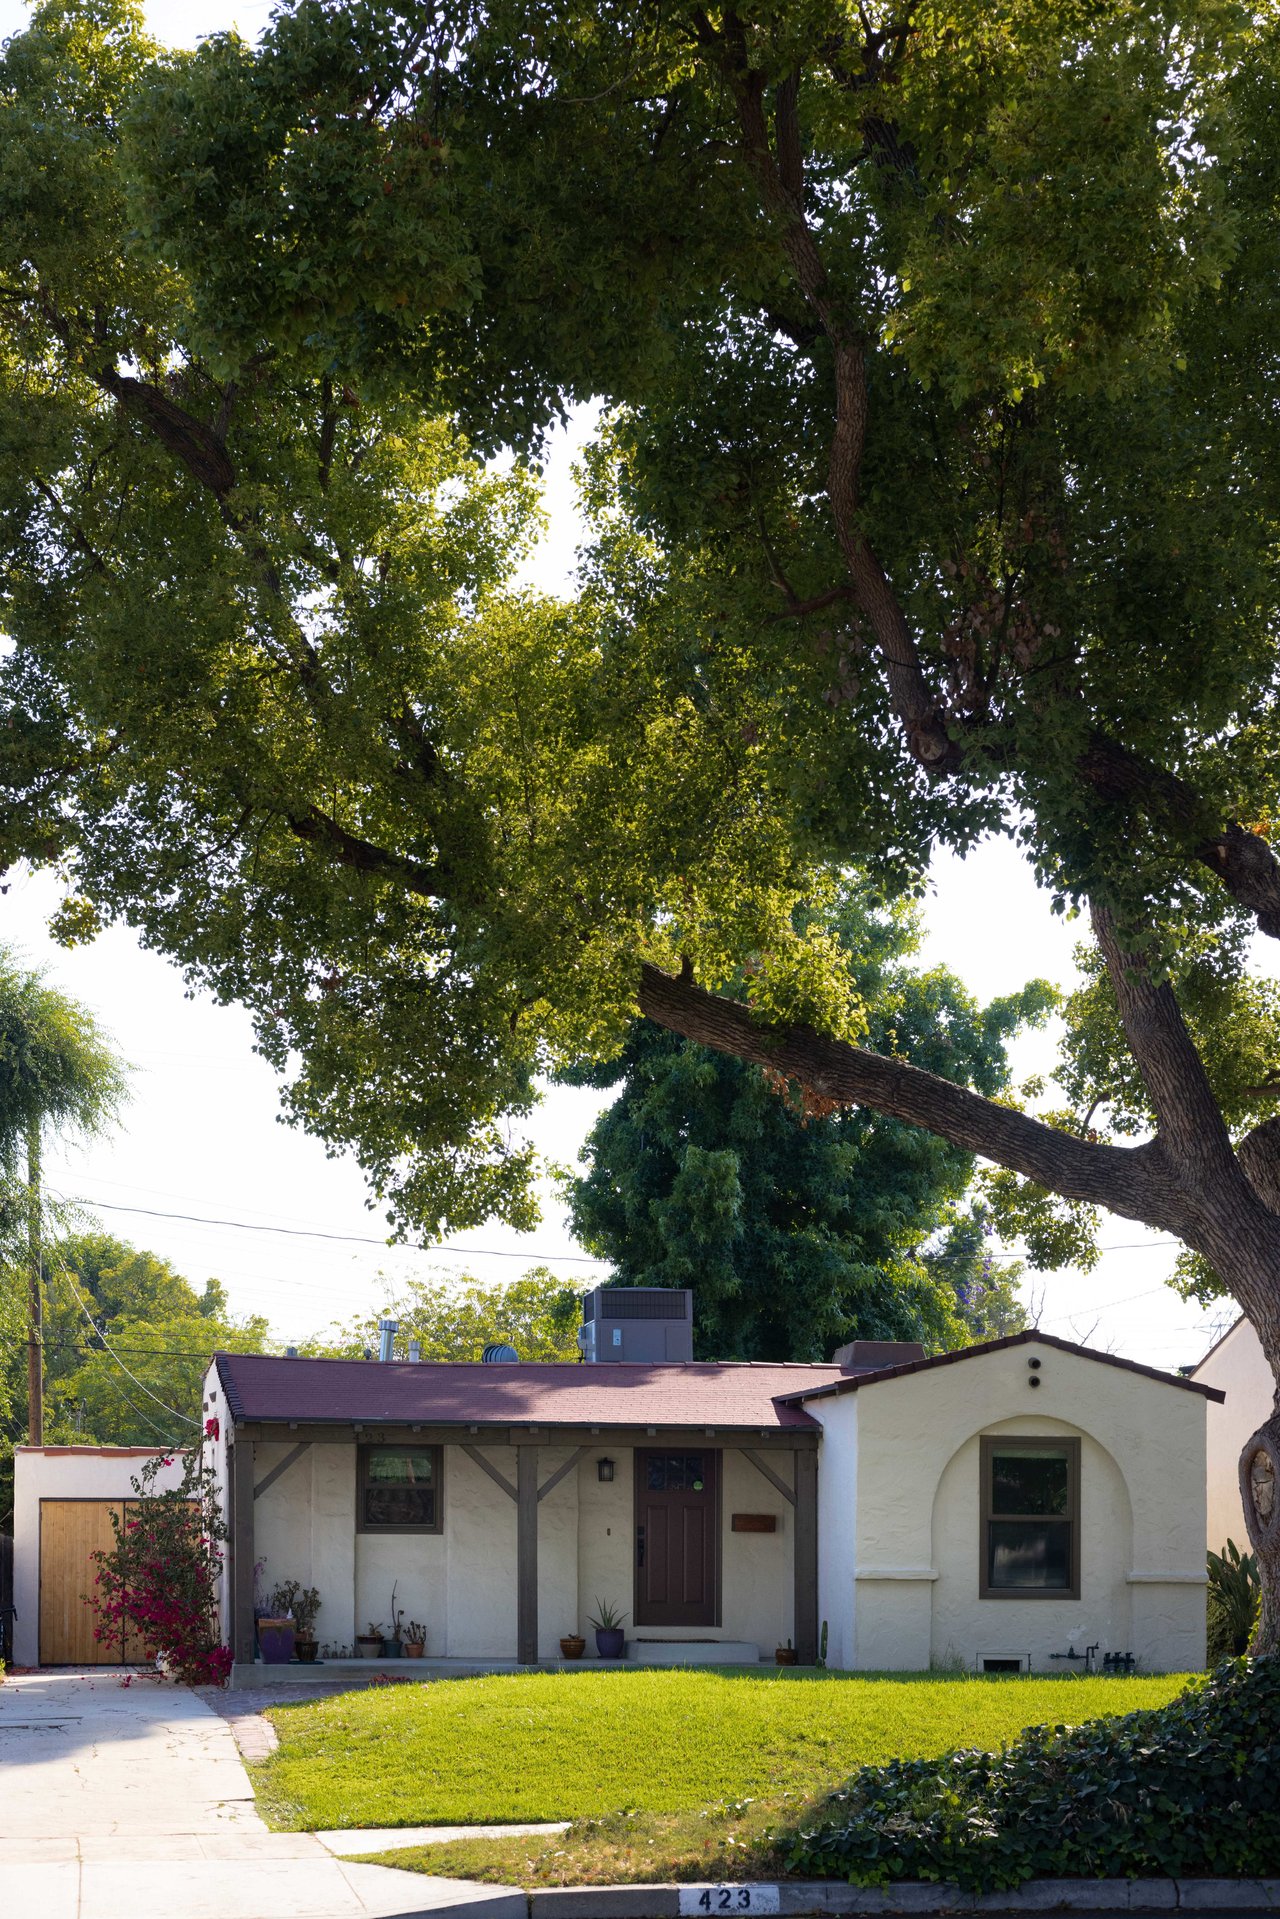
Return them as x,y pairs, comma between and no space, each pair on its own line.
1128,1180
318,828
1241,860
1189,1118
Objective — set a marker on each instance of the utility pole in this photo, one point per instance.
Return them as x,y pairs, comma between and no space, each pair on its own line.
35,1292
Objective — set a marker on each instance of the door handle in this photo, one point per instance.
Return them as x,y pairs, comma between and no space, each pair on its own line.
639,1545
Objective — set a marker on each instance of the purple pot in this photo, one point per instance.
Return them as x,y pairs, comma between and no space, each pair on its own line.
610,1641
275,1641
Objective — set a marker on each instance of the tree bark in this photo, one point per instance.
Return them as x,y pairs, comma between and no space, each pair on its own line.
1260,1497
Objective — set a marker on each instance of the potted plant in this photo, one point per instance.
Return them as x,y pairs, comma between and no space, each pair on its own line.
369,1644
393,1642
415,1639
785,1655
290,1600
607,1621
572,1646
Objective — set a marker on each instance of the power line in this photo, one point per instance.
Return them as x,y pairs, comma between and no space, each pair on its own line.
348,1239
184,1417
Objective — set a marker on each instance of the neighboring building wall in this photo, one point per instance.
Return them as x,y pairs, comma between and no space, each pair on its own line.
63,1472
837,1525
1236,1366
918,1504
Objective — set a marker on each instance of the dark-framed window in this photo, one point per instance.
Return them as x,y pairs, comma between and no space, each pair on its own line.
398,1489
1030,1546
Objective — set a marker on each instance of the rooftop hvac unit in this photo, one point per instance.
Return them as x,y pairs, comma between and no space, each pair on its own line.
637,1323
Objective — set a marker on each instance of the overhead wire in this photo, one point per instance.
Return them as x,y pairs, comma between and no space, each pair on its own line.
106,1347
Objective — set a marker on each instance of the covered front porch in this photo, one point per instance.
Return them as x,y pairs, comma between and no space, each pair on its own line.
501,1540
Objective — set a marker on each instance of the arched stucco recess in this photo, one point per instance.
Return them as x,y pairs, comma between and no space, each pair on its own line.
964,1627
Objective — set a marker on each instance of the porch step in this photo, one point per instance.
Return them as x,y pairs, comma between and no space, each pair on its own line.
693,1652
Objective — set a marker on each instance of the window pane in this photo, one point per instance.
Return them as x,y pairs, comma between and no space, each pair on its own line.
674,1473
400,1468
399,1506
1031,1482
1030,1554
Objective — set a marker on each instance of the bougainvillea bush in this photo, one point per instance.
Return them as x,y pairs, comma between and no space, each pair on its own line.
159,1579
1185,1790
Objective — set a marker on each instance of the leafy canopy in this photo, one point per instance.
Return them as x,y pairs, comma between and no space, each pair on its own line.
799,1229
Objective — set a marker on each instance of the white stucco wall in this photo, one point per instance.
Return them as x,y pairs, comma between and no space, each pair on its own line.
1236,1366
837,1525
917,1504
63,1472
462,1582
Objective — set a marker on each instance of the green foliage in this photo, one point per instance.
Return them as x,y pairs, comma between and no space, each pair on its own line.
1181,1791
457,1318
57,1068
583,1744
1234,1601
798,1230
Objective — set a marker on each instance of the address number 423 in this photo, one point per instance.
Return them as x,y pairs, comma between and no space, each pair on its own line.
699,1901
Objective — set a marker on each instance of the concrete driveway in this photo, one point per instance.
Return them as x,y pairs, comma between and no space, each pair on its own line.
131,1802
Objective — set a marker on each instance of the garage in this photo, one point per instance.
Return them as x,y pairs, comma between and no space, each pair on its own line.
64,1499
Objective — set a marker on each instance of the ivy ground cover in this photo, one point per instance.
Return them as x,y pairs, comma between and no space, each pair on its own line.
543,1746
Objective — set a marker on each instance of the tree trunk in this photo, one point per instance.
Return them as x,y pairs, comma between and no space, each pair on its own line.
1260,1497
35,1293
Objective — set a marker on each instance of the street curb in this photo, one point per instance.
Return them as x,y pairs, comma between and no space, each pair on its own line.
798,1898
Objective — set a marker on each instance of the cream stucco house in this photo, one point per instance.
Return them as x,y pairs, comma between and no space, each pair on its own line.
1000,1506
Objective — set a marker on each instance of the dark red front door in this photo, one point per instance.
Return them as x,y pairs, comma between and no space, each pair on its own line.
677,1538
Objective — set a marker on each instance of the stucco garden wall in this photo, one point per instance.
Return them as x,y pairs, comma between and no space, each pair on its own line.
63,1472
1236,1366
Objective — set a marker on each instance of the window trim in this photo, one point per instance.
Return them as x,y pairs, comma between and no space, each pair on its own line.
362,1482
993,1443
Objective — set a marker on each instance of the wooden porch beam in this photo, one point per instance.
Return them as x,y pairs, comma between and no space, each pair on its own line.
282,1466
499,1479
805,1555
768,1473
527,1555
560,1472
241,1570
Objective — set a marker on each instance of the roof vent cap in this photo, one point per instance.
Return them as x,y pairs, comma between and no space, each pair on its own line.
500,1355
387,1330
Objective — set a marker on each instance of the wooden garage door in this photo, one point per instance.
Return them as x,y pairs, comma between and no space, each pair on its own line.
71,1530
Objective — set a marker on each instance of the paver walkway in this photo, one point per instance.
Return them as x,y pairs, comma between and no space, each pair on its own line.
132,1800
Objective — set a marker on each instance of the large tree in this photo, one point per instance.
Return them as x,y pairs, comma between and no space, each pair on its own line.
936,498
800,1230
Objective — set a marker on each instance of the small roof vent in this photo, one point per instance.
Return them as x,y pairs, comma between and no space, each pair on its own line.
501,1355
387,1330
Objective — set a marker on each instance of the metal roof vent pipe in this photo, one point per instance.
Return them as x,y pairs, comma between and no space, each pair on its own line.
500,1355
387,1330
415,1352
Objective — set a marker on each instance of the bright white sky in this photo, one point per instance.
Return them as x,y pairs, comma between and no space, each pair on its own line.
201,1136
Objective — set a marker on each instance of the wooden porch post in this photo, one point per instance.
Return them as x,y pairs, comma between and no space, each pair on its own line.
527,1555
242,1550
806,1556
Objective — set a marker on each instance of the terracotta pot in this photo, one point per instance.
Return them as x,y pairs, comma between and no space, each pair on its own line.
275,1641
414,1648
610,1641
367,1648
572,1646
306,1650
785,1655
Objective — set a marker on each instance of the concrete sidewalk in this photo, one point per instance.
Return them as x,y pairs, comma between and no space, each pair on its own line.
132,1800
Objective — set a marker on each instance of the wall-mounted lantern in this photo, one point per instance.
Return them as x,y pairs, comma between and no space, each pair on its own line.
604,1471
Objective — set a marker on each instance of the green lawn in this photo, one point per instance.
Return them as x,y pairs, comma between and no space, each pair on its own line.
571,1745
